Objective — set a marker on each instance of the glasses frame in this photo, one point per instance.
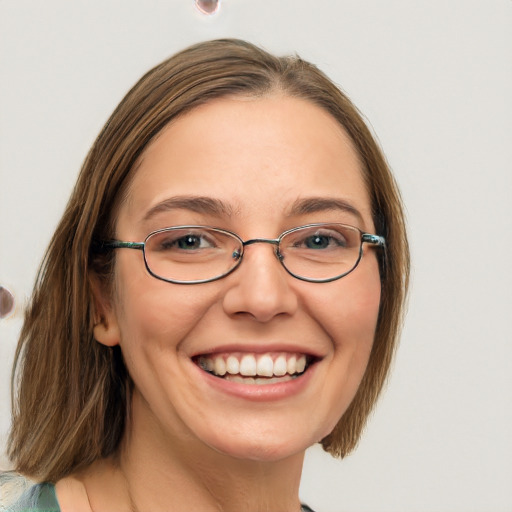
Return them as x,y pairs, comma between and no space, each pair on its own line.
366,238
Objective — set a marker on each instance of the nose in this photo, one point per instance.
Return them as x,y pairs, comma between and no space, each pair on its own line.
260,287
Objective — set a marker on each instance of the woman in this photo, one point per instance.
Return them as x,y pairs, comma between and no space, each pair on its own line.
224,290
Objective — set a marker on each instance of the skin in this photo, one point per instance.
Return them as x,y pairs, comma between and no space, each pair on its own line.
190,445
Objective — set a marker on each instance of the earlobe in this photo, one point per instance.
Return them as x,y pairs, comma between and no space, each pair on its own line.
106,332
106,329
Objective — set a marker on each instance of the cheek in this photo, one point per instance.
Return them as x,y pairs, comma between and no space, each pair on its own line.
154,313
349,309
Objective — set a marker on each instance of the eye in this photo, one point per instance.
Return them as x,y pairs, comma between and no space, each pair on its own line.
180,240
317,242
329,239
191,242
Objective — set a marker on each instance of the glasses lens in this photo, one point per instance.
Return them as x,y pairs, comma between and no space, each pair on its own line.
322,252
189,254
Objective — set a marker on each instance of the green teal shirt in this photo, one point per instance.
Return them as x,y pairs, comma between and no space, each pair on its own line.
39,498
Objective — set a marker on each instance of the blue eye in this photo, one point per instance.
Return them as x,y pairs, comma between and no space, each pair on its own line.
189,242
317,242
176,241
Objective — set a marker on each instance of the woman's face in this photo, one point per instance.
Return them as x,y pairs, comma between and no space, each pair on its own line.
256,167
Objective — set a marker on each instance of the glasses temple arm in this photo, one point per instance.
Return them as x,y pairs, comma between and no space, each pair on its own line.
377,240
116,244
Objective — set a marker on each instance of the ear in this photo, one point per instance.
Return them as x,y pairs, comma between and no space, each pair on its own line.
106,328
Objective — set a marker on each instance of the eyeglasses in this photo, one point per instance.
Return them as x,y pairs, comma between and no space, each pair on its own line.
317,253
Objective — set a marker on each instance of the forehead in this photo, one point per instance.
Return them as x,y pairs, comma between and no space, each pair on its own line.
251,154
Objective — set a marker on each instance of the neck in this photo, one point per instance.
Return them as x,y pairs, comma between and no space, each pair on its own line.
168,473
260,488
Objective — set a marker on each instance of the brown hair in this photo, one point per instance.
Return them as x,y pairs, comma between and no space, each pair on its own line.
70,393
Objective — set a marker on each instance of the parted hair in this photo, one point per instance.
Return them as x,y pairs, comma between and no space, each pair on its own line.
71,394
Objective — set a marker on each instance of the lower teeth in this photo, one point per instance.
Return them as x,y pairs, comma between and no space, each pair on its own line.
257,380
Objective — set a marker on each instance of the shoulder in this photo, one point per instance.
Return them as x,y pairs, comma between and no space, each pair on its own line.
18,494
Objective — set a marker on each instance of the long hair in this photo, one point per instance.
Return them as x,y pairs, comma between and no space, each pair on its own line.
70,393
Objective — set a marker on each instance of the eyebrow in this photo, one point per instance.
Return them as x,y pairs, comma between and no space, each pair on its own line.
198,204
212,206
323,204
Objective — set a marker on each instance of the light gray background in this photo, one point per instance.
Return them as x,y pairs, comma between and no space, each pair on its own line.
434,77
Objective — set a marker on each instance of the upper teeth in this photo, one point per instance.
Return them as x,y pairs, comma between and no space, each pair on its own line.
250,365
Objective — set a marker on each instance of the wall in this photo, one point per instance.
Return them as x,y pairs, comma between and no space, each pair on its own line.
434,79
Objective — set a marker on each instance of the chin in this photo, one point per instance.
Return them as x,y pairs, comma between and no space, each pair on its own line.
263,447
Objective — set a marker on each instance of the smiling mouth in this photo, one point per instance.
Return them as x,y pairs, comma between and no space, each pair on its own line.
261,369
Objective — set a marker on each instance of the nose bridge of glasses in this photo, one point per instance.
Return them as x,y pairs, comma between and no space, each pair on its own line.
272,241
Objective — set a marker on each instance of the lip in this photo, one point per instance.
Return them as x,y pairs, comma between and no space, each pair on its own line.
260,348
255,392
